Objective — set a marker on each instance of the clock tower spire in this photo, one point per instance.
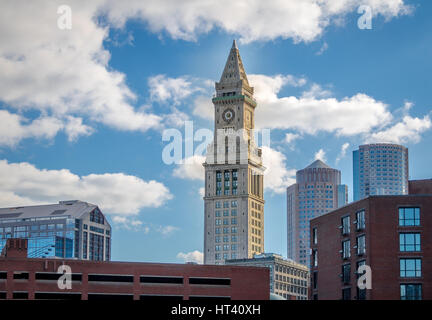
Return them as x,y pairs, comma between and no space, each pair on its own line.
234,196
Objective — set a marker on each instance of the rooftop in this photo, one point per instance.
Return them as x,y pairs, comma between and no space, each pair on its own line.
72,208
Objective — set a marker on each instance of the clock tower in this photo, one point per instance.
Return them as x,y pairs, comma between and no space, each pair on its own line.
234,193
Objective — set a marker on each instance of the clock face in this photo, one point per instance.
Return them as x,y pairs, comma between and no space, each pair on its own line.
228,115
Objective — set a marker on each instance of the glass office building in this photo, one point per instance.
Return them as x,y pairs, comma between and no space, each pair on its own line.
380,169
70,229
317,190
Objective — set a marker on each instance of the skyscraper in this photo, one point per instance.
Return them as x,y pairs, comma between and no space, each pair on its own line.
317,190
380,169
234,195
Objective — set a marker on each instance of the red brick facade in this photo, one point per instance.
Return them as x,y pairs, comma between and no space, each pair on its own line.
25,278
382,231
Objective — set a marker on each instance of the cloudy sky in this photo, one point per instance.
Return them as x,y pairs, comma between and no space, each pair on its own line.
83,109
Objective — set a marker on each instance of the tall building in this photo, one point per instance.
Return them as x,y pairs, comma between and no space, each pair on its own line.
288,279
69,229
389,234
380,169
317,190
23,278
234,195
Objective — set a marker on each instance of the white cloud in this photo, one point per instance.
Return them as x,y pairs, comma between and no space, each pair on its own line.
320,155
130,223
203,107
201,191
163,88
323,48
276,176
316,91
166,230
191,168
310,113
115,193
407,130
291,137
64,74
194,256
343,151
304,20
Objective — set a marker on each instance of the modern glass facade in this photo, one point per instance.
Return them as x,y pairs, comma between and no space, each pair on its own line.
380,169
47,236
70,229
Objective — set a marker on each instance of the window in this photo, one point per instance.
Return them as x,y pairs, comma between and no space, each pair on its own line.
410,268
409,242
218,213
409,217
233,220
225,230
225,222
314,235
218,239
233,229
226,213
217,256
346,225
346,294
361,245
217,204
346,249
315,279
217,230
361,294
233,238
315,258
217,248
226,204
218,222
234,203
361,223
234,247
226,247
346,273
234,212
411,291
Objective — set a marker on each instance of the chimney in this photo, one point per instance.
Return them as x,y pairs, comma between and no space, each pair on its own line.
15,248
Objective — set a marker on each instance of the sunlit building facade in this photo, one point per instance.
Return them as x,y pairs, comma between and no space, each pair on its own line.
69,229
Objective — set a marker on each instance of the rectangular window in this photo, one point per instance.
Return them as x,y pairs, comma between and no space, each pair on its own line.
234,203
346,225
217,204
226,213
409,217
226,204
233,220
218,222
346,294
233,229
226,239
315,279
361,223
315,258
218,213
234,212
346,249
346,273
218,239
409,242
315,235
217,256
233,238
411,291
361,245
225,230
410,268
226,247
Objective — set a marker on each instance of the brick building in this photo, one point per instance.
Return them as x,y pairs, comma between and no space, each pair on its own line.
37,278
391,234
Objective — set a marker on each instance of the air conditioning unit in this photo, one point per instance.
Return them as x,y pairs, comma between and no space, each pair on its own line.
355,247
340,227
340,251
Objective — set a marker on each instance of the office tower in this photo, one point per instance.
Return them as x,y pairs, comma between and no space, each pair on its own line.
288,279
390,234
317,190
69,229
380,169
234,194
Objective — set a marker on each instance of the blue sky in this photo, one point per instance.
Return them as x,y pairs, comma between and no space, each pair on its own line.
82,111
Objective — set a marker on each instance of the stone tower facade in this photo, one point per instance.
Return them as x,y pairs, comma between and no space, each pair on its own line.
234,193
